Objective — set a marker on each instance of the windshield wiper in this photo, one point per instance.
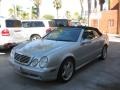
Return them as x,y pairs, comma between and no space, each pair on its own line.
64,40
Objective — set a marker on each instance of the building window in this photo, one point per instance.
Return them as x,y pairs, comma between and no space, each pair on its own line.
95,23
111,22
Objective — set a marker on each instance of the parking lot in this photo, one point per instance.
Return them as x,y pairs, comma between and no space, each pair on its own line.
98,75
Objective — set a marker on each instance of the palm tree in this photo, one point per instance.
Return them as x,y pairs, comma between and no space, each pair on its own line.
18,10
15,11
37,4
68,15
57,5
81,5
101,2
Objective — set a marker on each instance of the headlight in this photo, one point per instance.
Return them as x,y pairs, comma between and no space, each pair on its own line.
43,62
34,62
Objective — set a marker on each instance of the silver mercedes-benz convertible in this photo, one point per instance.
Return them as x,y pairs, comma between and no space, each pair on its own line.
60,53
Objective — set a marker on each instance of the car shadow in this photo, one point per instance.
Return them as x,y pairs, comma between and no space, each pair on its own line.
6,51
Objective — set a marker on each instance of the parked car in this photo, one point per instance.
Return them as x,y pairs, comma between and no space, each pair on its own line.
75,23
35,29
9,32
60,53
61,22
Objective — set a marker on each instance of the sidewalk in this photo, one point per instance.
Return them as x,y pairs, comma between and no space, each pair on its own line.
114,37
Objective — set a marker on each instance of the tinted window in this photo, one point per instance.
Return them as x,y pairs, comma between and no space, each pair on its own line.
60,22
27,24
13,23
64,34
51,24
96,34
88,34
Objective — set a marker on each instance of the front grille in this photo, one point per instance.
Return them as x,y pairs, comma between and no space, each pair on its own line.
21,58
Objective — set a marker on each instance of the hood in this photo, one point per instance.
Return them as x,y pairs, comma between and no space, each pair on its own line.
40,47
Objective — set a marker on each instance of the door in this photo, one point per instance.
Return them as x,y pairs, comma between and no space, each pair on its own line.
87,49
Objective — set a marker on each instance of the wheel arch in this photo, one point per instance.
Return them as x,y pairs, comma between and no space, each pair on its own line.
70,57
106,45
34,35
66,58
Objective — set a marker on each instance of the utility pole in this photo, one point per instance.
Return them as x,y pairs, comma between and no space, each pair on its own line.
89,10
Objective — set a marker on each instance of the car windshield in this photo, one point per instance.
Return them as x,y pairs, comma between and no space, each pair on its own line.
64,34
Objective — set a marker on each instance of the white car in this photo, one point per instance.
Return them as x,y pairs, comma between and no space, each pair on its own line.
10,30
35,29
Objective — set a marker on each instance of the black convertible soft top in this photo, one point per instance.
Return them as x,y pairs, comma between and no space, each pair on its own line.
83,27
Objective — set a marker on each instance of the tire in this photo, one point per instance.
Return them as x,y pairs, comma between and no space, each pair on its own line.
104,53
66,70
34,37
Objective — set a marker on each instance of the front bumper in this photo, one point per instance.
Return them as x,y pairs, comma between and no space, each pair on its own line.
43,74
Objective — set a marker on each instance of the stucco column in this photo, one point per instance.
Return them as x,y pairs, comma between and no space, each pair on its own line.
118,31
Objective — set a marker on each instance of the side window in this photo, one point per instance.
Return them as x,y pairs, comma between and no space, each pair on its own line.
88,34
25,24
13,23
38,24
96,34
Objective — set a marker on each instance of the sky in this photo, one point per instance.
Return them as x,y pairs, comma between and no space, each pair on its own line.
67,5
6,4
45,8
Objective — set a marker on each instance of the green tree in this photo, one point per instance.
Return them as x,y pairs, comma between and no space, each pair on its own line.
24,15
11,11
101,2
34,12
57,5
37,4
48,17
76,16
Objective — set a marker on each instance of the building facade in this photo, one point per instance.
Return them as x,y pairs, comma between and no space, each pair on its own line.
108,19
